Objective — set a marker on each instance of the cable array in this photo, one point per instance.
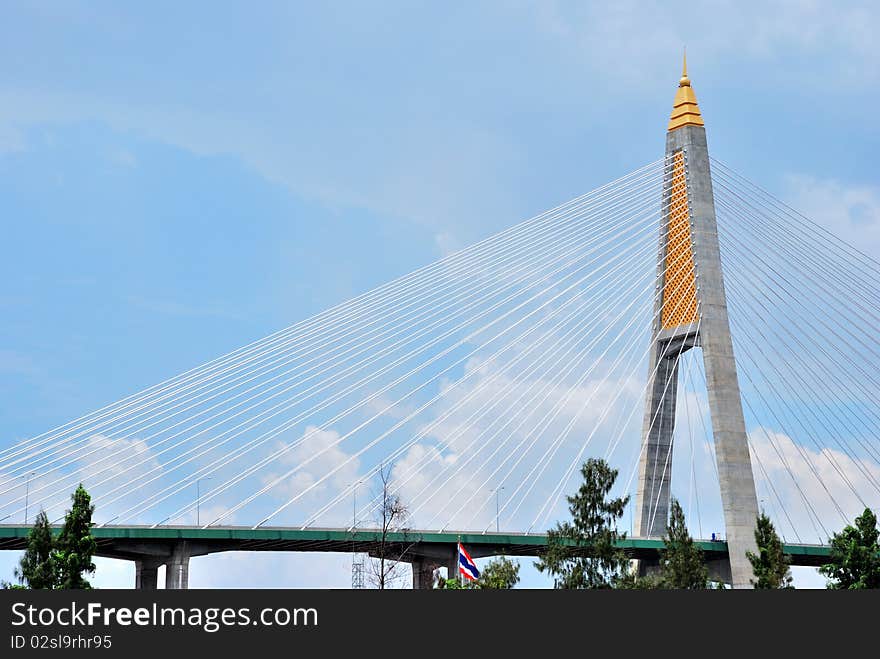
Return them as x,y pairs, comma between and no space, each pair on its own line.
500,368
804,315
283,430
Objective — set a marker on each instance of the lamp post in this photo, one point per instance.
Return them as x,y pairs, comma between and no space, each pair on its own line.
199,497
27,490
354,507
497,508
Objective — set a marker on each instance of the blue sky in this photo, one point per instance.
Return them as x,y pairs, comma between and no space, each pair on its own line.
176,181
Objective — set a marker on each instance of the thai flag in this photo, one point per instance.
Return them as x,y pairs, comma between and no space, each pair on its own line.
466,565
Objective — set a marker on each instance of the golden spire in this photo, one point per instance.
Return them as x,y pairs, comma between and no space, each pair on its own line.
684,82
685,111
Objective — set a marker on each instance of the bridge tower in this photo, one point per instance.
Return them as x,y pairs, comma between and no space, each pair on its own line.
691,311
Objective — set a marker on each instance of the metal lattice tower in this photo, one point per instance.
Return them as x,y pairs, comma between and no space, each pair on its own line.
357,572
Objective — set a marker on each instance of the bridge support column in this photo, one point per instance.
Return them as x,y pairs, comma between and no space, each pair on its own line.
452,564
719,570
146,574
423,574
177,569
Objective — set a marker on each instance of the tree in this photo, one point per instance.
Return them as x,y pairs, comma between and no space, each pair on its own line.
455,584
633,581
681,561
500,574
386,568
38,568
583,553
770,565
855,555
75,545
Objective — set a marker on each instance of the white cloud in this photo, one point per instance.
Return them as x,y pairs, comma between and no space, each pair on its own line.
326,455
510,429
112,458
384,405
820,476
311,170
452,171
849,211
426,467
207,514
101,463
713,31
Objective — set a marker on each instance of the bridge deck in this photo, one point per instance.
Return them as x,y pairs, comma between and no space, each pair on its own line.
133,542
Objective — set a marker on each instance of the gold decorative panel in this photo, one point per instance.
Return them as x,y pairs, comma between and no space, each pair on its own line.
679,284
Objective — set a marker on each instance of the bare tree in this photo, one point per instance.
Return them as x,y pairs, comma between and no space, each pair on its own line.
393,543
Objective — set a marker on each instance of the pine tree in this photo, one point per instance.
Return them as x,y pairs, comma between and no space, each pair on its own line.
38,568
681,562
75,545
855,555
583,553
770,565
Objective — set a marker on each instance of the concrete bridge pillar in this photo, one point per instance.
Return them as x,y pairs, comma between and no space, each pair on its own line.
452,563
146,574
423,573
423,566
177,568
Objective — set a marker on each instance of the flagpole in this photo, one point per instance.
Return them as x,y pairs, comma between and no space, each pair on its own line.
458,562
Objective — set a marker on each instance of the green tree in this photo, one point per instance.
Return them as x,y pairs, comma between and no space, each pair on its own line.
75,545
583,553
681,561
633,581
855,555
500,574
455,584
770,565
38,568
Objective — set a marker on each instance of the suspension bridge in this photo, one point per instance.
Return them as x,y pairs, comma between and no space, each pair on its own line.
679,320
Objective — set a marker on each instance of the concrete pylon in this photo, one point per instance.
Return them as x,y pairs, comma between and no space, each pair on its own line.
177,568
423,574
146,575
692,311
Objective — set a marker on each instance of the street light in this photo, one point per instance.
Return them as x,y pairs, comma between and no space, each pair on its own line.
199,497
27,489
497,508
354,507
